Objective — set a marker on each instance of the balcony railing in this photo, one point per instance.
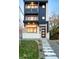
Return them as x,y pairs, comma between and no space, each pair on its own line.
26,21
31,19
31,11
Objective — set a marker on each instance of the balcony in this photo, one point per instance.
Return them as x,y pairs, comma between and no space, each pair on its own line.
30,20
31,11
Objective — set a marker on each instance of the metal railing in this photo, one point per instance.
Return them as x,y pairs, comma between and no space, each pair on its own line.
32,10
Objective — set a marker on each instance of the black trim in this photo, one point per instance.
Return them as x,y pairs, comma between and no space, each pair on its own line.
25,22
42,22
31,11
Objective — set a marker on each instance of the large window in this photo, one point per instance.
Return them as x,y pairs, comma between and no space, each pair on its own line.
31,28
32,17
31,5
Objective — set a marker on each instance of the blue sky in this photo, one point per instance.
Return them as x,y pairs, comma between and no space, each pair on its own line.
53,6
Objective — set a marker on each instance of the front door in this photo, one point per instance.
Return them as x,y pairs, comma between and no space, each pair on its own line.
43,31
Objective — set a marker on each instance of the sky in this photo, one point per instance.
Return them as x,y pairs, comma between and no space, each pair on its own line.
53,6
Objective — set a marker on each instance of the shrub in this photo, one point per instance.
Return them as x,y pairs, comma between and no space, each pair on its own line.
54,33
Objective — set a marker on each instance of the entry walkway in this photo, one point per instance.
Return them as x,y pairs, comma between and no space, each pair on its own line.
48,51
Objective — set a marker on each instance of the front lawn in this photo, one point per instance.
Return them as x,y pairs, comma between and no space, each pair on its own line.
28,49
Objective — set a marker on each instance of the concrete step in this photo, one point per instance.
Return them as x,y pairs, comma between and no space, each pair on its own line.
49,54
54,57
48,51
47,48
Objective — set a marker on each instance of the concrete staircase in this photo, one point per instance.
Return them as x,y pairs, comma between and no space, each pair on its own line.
48,51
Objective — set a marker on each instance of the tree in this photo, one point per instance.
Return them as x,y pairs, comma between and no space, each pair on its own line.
54,31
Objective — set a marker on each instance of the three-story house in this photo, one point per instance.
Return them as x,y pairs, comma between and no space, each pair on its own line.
35,19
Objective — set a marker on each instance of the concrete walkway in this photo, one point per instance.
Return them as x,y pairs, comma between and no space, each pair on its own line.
48,51
55,46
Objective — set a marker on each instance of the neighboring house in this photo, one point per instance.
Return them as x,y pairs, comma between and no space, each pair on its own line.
21,17
35,19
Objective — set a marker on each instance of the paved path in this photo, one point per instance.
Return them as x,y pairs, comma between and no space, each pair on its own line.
48,51
55,46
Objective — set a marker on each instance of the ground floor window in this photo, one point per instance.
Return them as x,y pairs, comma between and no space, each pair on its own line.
31,28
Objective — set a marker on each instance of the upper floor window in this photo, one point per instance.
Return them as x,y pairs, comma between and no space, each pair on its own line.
31,5
32,17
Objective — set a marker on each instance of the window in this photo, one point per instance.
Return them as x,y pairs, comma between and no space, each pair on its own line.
31,28
43,17
28,6
31,5
32,17
43,6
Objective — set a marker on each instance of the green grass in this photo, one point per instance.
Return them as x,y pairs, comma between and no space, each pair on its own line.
28,49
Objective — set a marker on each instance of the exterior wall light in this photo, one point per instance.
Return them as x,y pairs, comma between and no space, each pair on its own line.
43,6
43,17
